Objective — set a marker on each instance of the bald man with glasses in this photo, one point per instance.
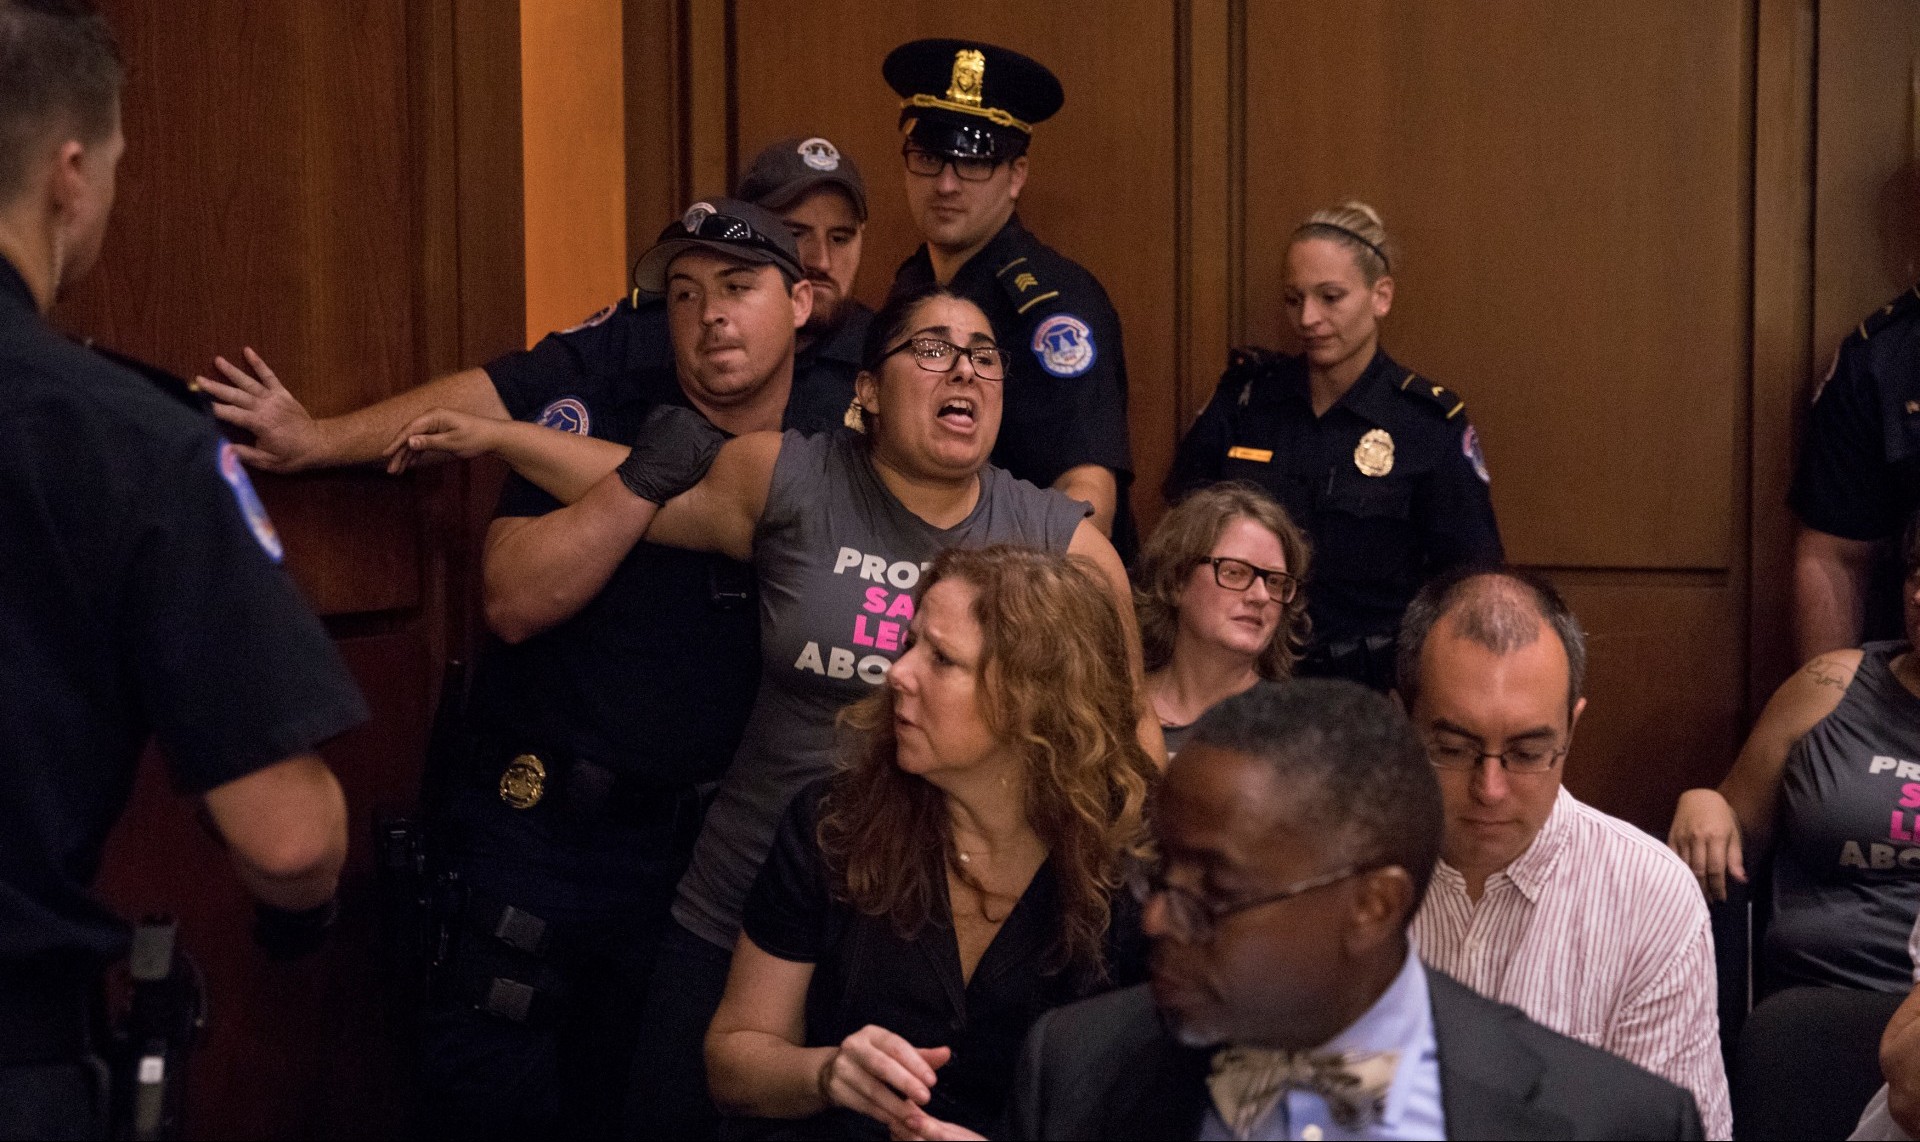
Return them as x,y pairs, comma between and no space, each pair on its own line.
1589,925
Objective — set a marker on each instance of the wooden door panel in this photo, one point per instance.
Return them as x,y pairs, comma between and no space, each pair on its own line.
1664,689
1569,186
1866,184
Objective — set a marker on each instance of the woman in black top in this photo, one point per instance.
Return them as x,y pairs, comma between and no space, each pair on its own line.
923,906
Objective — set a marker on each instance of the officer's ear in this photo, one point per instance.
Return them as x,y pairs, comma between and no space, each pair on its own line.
1382,296
801,294
68,182
1017,177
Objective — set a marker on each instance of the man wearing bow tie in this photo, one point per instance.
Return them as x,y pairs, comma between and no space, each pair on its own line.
1296,834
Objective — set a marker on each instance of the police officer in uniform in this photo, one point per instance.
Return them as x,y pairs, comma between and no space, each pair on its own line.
598,738
140,597
1378,463
967,111
822,200
1857,484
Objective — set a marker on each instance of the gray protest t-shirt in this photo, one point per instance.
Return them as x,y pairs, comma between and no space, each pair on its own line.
1846,877
838,559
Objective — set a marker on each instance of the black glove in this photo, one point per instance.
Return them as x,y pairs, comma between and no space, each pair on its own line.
675,448
288,935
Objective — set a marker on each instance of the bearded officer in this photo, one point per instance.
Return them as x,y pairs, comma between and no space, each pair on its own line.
967,112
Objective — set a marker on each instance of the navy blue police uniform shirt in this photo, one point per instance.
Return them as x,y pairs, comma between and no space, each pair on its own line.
1859,473
141,597
654,678
1065,397
1389,483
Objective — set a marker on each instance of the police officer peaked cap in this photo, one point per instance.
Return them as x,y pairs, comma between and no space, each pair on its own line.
733,229
968,99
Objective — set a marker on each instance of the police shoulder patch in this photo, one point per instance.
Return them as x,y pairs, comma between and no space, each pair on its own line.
590,322
1470,448
567,414
1064,344
251,509
1444,399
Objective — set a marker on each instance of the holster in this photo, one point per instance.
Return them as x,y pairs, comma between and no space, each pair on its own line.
167,1014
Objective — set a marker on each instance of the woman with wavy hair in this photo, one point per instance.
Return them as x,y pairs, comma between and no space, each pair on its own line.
958,875
1219,601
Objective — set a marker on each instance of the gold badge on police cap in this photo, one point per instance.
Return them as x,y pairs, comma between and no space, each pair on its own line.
524,782
969,77
1374,454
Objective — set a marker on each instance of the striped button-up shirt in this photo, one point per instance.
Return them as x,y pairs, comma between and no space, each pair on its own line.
1600,932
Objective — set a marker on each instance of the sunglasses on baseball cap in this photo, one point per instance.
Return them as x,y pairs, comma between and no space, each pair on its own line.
736,230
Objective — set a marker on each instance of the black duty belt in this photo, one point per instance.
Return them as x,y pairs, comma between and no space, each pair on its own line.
587,791
45,1016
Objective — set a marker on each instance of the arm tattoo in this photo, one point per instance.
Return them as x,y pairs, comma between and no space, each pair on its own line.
1825,674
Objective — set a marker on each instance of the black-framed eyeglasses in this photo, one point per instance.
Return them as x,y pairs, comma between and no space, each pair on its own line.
937,355
1528,757
927,164
1193,919
1238,575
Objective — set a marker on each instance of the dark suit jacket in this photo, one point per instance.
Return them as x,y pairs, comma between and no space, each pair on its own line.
1104,1068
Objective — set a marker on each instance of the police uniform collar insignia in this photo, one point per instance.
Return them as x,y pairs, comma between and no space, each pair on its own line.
820,155
1374,454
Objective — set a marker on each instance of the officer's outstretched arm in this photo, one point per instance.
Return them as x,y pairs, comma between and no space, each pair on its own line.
1089,544
286,829
1094,485
539,572
1829,592
289,439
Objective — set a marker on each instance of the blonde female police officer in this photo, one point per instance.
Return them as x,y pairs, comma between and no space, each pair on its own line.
1378,463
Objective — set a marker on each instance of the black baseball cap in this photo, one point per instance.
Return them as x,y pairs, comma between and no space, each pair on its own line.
728,227
782,173
968,99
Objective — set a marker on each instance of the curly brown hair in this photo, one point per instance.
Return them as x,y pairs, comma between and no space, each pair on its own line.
1056,686
1184,537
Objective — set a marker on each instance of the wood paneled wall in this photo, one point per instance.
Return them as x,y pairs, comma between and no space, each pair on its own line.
1629,231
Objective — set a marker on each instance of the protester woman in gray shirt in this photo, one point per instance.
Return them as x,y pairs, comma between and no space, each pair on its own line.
838,528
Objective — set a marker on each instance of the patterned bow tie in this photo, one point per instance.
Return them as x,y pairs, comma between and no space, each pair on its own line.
1247,1081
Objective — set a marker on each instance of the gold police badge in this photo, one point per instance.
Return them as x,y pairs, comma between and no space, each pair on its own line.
524,782
1374,454
969,77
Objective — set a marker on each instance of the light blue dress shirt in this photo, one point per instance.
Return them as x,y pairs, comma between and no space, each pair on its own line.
1400,1020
